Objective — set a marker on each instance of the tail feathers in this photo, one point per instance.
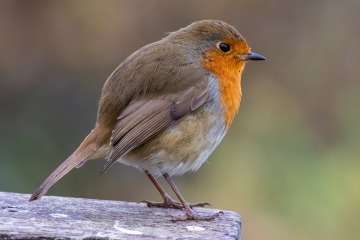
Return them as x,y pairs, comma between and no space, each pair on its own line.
80,164
82,154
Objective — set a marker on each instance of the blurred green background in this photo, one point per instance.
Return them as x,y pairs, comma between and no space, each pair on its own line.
290,163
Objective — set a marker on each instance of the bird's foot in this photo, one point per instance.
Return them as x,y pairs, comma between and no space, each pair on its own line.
192,216
165,204
170,203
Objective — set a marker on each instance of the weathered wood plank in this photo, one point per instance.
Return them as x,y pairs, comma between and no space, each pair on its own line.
77,218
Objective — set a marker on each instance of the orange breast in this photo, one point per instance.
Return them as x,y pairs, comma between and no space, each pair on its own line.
228,72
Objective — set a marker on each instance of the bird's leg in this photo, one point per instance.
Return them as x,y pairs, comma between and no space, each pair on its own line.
190,213
168,201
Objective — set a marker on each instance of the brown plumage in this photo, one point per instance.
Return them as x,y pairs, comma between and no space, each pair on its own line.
167,106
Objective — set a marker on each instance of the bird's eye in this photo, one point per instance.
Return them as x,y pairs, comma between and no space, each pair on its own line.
224,47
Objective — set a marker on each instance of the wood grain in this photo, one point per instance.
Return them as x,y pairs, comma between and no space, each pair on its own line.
77,218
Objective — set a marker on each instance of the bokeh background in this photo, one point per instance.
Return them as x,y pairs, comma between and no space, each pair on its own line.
290,163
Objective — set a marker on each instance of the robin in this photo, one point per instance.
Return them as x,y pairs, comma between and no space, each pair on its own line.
166,108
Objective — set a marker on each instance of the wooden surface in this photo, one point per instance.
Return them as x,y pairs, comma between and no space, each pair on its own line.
77,218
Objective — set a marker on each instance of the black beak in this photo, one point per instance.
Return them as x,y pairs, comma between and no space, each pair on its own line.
252,56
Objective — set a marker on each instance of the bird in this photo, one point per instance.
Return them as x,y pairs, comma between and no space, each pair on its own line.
166,108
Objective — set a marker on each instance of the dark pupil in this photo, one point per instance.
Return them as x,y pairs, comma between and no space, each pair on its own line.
224,47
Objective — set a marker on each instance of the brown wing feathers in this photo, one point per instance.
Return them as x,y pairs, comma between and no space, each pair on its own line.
133,130
142,120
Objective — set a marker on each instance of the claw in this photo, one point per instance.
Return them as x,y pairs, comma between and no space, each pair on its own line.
200,204
198,217
170,203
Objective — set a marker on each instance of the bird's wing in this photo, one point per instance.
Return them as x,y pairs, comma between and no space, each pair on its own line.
143,119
